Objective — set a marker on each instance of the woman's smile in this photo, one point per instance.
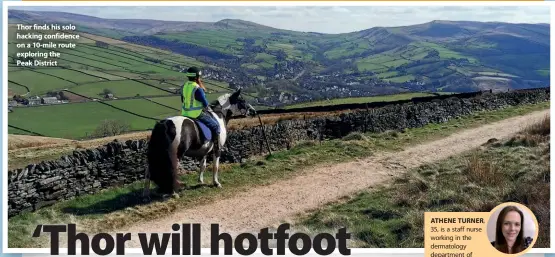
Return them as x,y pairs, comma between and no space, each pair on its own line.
511,225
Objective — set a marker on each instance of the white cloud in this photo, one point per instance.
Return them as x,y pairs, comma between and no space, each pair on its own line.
332,19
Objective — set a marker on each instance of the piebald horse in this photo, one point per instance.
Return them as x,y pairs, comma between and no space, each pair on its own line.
178,136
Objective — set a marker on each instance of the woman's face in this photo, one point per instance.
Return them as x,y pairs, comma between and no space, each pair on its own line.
511,226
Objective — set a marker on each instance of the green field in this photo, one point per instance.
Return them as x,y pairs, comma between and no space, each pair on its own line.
174,101
16,89
144,107
18,131
357,100
39,83
230,41
126,70
116,60
71,75
409,55
395,55
73,121
102,74
124,88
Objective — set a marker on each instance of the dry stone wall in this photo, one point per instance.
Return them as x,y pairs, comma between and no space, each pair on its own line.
119,163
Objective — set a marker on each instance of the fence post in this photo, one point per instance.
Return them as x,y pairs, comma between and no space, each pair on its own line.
264,135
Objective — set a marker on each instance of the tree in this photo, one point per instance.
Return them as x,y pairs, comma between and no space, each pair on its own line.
281,55
52,94
111,128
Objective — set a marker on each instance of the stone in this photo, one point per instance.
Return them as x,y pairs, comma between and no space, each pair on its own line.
90,170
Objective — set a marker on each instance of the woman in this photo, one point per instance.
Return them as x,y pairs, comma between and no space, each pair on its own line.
509,233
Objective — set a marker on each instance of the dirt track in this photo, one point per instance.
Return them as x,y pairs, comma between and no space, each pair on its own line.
268,206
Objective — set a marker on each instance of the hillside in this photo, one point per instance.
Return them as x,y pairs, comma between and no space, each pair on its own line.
438,55
130,70
136,84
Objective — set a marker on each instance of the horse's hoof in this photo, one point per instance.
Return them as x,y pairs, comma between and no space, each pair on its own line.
218,185
175,195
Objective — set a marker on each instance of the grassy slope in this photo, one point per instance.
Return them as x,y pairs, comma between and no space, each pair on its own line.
355,100
125,88
90,70
51,120
121,60
392,48
22,156
499,46
515,170
119,206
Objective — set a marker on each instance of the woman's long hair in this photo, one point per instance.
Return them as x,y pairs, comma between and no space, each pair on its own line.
199,82
500,241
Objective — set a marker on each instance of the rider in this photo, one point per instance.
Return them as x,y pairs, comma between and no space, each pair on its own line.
197,107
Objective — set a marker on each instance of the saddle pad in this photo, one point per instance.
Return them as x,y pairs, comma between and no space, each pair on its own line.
205,131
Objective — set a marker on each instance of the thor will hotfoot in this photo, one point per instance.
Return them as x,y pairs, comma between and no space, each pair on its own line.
186,240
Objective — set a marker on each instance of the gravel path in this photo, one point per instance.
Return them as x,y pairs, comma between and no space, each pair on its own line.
269,206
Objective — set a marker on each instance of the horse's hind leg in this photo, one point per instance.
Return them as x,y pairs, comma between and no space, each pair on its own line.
177,185
146,191
215,168
202,169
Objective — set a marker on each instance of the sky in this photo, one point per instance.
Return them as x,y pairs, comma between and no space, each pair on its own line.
323,19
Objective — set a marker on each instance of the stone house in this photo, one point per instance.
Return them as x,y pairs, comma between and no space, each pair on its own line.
34,100
49,100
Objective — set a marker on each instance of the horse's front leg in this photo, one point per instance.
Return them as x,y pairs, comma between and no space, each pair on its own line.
216,167
202,169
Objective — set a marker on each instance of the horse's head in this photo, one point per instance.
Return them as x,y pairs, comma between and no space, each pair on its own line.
236,104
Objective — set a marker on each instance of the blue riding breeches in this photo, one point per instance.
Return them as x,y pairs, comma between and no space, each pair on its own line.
210,122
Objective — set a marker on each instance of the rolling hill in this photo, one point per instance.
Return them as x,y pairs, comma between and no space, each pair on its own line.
441,55
134,66
393,164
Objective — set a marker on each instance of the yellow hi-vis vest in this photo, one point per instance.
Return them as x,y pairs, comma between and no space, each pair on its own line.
191,108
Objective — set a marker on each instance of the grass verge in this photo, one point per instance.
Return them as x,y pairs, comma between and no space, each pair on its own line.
392,216
21,155
117,207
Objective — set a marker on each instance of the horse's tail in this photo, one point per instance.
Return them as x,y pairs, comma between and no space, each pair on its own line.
159,159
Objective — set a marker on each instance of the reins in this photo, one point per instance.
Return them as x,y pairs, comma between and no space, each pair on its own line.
218,106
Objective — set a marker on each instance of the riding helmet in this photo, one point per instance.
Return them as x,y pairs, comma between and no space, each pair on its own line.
193,72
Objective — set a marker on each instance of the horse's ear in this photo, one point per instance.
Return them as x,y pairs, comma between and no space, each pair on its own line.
235,95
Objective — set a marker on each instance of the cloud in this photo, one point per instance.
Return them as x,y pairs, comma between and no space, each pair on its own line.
324,19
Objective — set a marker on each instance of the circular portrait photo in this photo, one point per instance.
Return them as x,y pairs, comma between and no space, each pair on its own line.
512,228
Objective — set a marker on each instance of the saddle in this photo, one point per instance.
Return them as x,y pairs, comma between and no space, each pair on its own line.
205,133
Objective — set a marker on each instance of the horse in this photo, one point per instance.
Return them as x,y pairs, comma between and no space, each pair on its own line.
175,137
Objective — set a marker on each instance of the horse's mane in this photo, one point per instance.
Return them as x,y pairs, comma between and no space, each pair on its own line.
217,108
216,103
